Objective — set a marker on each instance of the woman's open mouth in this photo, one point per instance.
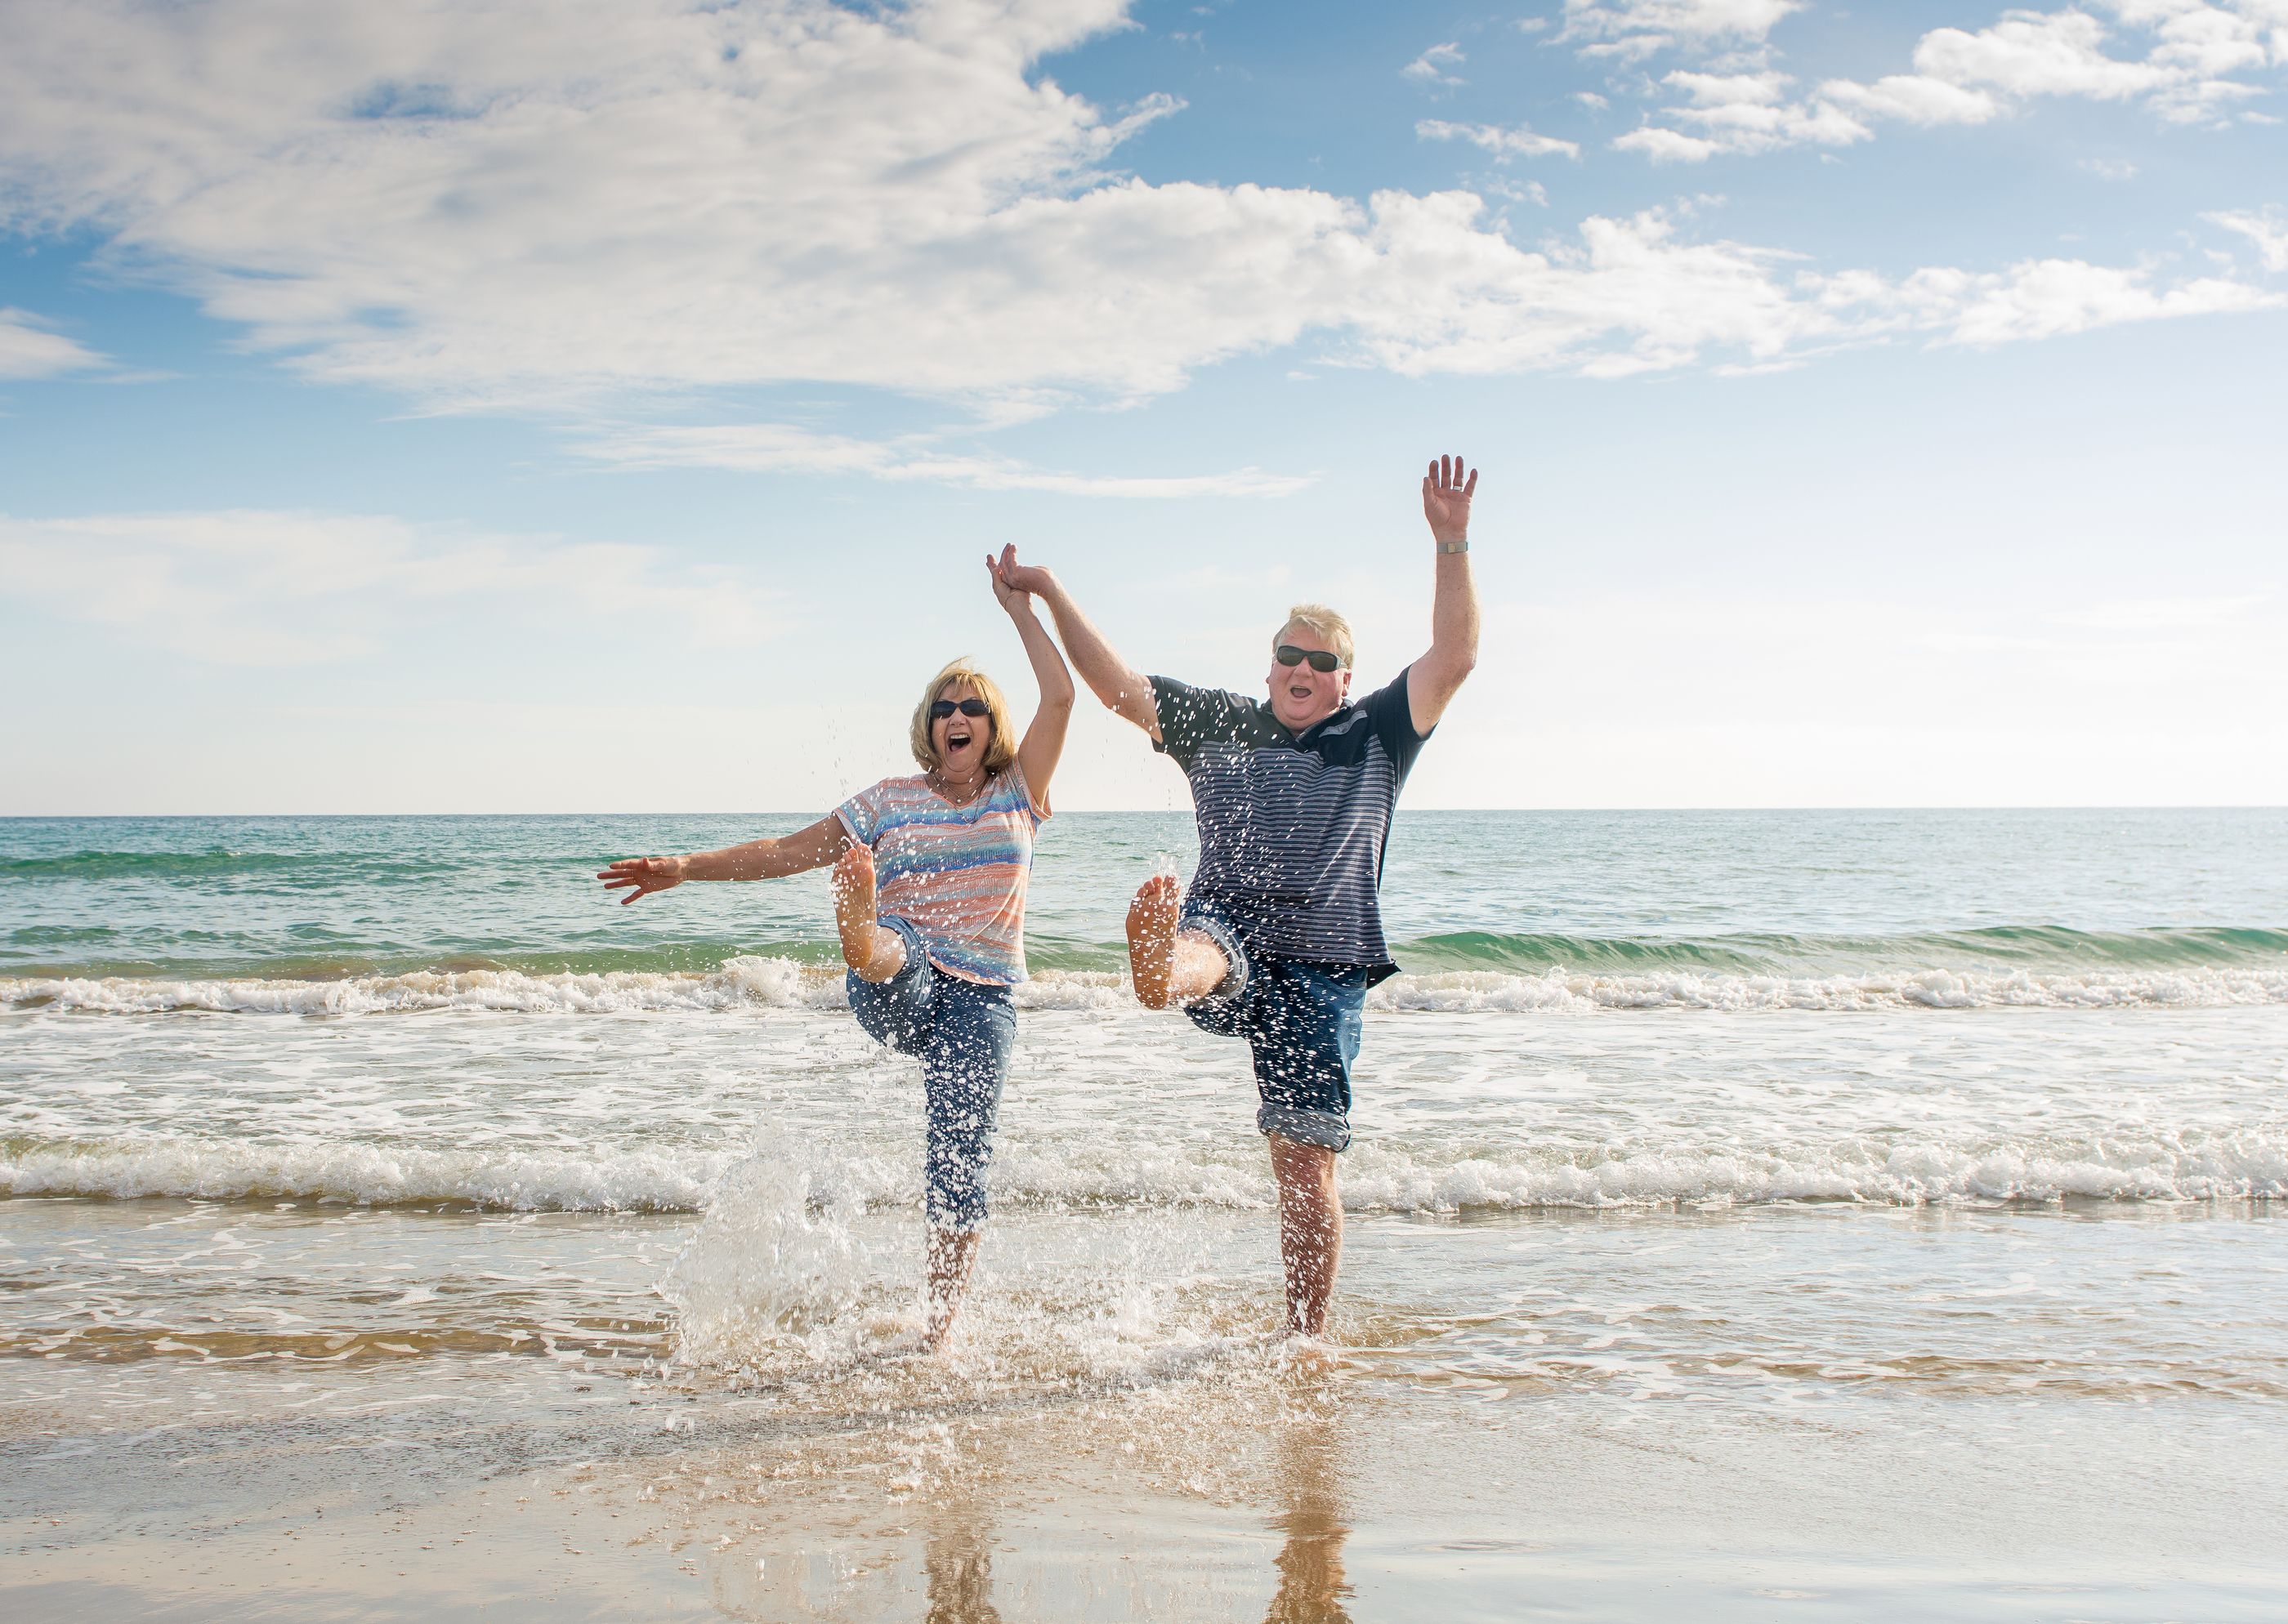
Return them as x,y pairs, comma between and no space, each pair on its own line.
956,741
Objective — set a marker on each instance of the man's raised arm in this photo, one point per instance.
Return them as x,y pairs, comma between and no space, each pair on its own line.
1433,680
1124,689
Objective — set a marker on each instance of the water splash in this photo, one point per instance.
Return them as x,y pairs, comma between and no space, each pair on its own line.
775,1268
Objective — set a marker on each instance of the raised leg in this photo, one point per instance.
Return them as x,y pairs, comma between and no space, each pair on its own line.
1310,1230
874,951
1167,966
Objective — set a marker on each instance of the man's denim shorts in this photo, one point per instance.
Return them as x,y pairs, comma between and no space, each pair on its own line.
1300,1019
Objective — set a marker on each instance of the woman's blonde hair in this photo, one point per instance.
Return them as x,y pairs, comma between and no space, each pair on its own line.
1325,622
1000,750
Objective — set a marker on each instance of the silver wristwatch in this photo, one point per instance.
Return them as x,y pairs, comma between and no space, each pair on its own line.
1461,546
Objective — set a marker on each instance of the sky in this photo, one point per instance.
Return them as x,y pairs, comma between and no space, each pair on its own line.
607,405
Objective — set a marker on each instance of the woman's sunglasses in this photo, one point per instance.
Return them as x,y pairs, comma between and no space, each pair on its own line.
1320,658
940,709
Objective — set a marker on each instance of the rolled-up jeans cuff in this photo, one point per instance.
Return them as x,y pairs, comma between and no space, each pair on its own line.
1323,1129
916,954
1234,956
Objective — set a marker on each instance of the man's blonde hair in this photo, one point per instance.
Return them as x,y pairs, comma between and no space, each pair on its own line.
1333,629
1000,750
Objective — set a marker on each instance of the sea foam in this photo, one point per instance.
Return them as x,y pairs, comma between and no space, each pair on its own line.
2146,1165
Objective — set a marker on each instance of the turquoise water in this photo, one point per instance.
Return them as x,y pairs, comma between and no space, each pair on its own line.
1762,892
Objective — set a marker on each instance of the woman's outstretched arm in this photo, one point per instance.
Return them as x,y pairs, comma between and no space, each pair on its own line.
1045,737
812,847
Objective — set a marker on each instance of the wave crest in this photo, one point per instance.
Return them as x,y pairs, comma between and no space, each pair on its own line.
2146,1165
762,982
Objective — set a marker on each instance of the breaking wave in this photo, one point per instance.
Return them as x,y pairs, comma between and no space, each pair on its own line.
766,983
2142,1165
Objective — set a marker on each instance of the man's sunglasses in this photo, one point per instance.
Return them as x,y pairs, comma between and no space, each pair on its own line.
1320,658
940,709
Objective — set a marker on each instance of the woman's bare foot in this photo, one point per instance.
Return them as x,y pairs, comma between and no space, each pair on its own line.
876,953
1152,940
949,1257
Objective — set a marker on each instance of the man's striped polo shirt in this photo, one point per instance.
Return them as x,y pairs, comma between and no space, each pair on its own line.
1292,826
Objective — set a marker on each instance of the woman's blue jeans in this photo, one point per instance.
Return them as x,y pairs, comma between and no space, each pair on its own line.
962,1032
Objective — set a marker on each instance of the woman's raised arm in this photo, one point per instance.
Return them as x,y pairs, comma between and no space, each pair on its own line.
814,846
1044,738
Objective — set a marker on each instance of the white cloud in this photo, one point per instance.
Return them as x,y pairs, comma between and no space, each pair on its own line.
2190,46
1518,142
275,588
1740,113
1913,99
1433,66
2030,53
758,447
1519,192
1634,28
2268,230
2036,298
1666,146
29,350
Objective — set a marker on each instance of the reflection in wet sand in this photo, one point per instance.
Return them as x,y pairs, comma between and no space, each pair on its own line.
958,1567
1312,1590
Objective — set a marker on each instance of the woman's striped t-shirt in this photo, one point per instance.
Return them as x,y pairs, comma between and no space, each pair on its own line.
955,873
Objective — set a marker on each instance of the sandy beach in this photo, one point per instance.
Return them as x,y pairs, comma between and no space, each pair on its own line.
1231,1483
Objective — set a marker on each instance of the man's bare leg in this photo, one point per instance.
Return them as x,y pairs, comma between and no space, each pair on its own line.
876,952
1310,1230
1169,967
951,1254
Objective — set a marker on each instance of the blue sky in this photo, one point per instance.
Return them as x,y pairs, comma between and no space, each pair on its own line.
587,406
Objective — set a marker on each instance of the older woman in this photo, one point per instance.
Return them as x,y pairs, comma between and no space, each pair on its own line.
929,897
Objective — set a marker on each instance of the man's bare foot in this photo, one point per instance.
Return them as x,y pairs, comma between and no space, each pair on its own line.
1152,940
875,953
1302,1350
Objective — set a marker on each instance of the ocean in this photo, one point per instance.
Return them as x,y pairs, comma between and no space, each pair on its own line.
1819,1213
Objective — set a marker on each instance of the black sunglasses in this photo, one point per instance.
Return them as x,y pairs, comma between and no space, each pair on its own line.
1320,658
940,709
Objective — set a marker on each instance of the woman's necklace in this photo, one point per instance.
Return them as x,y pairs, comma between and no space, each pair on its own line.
945,787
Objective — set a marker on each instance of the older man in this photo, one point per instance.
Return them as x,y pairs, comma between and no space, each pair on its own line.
1280,936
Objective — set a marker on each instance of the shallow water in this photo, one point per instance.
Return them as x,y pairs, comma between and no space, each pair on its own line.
1721,1179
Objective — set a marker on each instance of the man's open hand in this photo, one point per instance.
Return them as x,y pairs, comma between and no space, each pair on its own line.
1446,495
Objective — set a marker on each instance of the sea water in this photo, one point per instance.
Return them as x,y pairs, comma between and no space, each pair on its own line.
1961,1131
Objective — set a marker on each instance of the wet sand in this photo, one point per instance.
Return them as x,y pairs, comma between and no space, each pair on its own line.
1242,1484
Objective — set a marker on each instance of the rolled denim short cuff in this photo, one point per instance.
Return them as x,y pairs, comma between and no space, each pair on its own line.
916,954
1323,1129
949,1224
1234,977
